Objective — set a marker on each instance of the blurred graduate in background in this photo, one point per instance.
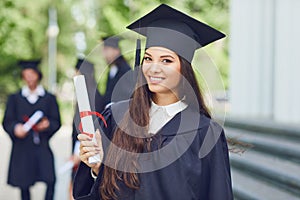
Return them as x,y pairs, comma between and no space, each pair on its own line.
120,84
31,118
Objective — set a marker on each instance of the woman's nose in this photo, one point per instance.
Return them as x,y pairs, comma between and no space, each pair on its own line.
155,68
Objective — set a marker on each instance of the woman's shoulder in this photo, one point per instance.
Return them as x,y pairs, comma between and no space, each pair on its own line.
206,122
208,134
192,121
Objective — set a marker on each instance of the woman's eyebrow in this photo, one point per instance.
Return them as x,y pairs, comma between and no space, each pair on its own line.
162,56
167,56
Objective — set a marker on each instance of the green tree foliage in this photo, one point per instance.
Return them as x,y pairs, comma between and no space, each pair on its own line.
114,15
23,35
23,31
19,39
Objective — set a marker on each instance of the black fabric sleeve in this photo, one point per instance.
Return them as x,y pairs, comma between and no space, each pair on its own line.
220,175
53,116
10,118
84,186
83,183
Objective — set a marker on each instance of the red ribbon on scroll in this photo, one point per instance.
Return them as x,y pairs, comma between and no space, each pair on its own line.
88,113
25,119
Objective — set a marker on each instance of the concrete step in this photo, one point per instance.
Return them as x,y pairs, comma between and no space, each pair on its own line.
247,187
287,148
273,159
283,174
271,168
264,126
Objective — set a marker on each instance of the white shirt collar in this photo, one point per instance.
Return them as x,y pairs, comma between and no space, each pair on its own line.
32,96
170,110
113,71
160,115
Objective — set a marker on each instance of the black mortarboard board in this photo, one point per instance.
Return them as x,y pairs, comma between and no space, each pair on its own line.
84,66
166,27
111,41
31,64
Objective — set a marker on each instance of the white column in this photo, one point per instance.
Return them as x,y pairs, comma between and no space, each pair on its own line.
287,62
52,32
251,57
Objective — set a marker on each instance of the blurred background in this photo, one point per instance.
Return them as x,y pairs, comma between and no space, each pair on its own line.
258,64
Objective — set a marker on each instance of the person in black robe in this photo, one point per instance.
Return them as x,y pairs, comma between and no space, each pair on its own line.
120,81
31,157
162,144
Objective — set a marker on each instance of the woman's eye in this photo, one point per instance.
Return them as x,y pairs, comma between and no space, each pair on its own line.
167,61
147,58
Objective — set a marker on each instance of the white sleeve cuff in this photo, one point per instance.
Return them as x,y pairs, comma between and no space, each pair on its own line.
94,176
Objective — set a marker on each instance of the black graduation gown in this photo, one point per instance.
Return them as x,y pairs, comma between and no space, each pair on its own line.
192,162
31,162
119,87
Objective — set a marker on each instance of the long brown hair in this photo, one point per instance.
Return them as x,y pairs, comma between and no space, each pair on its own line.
127,137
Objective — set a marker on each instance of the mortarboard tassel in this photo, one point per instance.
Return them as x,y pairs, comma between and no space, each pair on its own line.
137,59
137,54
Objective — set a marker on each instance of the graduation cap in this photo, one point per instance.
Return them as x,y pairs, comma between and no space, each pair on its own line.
84,66
111,41
31,64
166,27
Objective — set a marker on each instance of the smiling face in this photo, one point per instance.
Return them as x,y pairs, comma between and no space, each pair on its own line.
161,68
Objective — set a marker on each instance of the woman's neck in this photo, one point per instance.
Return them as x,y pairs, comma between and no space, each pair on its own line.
164,99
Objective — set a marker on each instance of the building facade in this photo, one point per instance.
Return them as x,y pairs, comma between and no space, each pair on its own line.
265,60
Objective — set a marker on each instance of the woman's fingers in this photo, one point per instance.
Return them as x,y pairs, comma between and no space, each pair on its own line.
89,148
84,137
86,149
99,142
88,144
86,152
98,139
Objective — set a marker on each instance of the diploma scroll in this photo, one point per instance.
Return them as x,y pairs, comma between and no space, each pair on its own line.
33,120
84,106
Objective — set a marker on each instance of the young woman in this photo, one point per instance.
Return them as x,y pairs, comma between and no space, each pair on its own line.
162,144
